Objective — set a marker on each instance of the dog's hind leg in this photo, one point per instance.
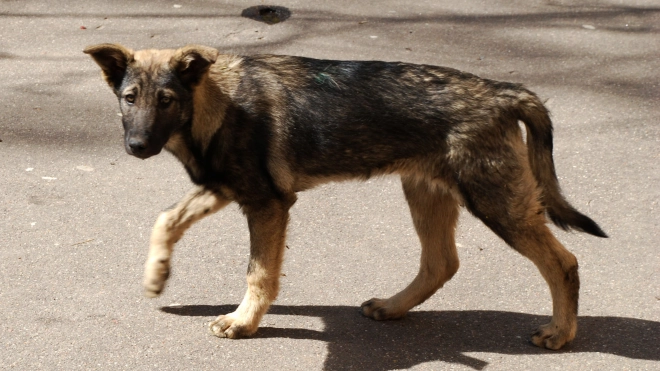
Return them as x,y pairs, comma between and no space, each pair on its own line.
532,238
504,195
434,213
267,224
169,228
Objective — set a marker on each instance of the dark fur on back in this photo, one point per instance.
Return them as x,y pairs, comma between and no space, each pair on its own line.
359,119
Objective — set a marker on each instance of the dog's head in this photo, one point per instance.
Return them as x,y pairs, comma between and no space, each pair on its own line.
154,88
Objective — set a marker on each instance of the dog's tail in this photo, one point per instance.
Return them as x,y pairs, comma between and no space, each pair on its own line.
535,115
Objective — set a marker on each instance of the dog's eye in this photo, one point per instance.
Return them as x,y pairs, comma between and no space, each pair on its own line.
165,101
130,98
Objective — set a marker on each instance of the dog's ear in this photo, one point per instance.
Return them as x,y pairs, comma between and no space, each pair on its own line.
193,61
113,59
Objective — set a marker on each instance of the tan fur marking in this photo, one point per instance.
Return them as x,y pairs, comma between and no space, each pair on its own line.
267,240
211,97
153,61
280,169
434,213
208,115
556,264
169,228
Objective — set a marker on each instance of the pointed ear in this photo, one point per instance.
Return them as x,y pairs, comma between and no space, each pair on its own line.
113,59
192,62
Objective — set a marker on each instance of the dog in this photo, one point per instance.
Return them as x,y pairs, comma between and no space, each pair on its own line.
258,129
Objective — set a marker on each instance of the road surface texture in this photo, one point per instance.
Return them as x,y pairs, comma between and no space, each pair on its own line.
76,210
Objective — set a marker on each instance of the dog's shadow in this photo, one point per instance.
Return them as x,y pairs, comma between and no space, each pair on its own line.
357,342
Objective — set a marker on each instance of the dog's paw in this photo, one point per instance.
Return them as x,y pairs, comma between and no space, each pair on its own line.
379,309
552,337
156,273
230,326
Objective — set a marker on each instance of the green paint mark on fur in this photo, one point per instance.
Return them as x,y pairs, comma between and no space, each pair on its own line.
323,78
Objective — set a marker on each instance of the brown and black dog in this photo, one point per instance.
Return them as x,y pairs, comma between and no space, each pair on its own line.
258,129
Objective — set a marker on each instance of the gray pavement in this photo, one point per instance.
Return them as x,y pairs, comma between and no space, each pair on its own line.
76,211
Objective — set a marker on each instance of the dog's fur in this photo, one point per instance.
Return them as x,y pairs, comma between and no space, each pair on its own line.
258,129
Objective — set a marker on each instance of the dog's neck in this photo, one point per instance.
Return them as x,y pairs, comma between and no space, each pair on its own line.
210,101
209,106
211,97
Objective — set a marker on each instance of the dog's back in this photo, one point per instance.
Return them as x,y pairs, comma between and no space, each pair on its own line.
360,118
357,119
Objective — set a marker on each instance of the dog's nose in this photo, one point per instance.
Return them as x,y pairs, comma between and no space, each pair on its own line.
137,145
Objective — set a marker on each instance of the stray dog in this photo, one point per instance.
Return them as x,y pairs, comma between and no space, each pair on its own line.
258,129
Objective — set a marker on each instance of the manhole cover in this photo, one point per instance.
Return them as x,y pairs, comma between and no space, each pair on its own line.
268,14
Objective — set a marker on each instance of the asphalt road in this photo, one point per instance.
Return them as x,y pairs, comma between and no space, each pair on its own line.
76,211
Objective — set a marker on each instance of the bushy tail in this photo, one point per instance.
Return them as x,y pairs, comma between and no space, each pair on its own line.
533,113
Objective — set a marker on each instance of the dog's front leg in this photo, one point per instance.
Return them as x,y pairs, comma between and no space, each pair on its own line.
267,225
169,228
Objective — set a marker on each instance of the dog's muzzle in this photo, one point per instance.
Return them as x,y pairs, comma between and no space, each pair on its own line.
141,147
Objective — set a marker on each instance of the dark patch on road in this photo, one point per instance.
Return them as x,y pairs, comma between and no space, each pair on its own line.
268,14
